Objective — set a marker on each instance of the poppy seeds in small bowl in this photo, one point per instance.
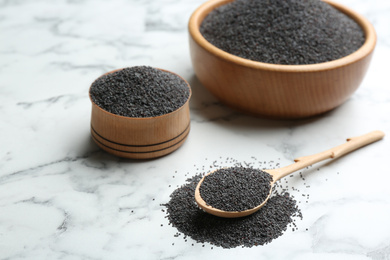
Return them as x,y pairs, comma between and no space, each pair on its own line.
140,112
140,91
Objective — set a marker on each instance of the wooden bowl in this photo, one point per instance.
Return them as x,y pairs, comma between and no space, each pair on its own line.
278,91
140,138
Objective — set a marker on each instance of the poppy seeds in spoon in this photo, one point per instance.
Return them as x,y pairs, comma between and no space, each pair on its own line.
289,32
236,188
140,91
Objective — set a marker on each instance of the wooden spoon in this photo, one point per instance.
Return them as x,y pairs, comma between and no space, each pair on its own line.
300,163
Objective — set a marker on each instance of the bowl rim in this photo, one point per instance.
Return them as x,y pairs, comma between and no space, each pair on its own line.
368,46
141,118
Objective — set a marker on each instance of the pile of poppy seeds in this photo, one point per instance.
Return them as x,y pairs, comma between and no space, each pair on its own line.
235,188
260,228
140,91
282,32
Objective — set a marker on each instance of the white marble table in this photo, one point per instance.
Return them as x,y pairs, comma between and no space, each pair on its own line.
61,197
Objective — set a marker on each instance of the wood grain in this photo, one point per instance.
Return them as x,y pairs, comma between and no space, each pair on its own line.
278,91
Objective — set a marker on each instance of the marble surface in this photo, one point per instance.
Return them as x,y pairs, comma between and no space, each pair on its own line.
61,197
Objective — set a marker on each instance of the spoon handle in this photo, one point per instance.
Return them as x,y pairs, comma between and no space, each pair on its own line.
335,152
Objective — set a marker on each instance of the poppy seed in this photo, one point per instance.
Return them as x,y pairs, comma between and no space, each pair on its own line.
257,229
139,91
282,32
236,188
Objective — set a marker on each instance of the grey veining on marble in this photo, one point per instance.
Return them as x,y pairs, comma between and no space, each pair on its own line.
61,197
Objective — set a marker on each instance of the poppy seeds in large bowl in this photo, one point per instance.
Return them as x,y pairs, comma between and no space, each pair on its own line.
235,188
140,91
289,32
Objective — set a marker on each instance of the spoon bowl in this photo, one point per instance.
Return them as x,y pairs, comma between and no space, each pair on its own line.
352,144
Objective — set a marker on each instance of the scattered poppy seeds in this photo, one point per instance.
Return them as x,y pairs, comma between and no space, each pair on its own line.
282,32
140,91
257,229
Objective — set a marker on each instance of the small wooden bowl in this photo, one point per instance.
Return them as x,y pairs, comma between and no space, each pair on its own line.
140,138
278,91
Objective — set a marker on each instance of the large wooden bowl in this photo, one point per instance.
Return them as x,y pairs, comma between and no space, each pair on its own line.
140,138
278,91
